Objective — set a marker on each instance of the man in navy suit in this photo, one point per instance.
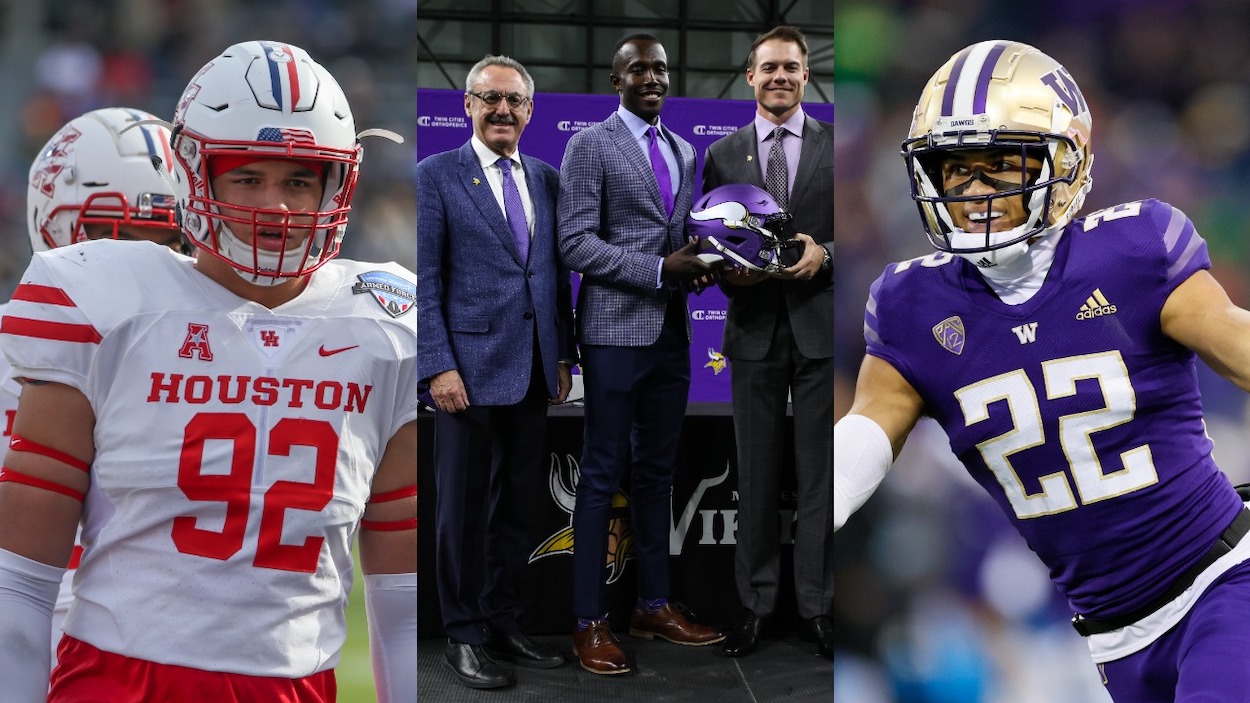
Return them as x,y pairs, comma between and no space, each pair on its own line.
626,186
779,342
496,347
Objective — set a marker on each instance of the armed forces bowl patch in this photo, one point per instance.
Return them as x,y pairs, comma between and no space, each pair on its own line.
394,293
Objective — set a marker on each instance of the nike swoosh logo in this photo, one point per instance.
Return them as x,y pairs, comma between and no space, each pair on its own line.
331,352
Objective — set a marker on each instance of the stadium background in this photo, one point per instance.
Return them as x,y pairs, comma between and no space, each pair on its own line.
938,599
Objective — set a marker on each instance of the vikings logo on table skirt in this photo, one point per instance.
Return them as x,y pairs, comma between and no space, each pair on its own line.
620,538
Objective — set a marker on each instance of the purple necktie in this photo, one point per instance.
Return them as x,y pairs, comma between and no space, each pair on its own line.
662,177
514,209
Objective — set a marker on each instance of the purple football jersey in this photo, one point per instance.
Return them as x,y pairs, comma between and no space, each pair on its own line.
1073,409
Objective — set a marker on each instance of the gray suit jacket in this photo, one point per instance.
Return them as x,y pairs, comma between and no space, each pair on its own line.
478,304
752,309
612,228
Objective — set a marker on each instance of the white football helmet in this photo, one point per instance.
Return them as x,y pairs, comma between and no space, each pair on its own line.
90,172
265,99
1000,94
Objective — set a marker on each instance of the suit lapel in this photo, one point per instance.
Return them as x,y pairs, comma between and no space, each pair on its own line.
636,157
749,169
814,137
536,183
474,179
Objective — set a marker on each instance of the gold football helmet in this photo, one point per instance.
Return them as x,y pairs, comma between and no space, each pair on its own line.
1000,94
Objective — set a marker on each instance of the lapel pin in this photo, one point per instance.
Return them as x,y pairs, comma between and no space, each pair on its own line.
749,157
476,182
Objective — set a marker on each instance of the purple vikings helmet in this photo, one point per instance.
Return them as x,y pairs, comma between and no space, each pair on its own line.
741,224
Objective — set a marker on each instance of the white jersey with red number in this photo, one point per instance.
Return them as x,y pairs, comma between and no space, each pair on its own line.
235,447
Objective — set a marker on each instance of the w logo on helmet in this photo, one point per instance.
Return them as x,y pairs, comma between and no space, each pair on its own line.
1065,88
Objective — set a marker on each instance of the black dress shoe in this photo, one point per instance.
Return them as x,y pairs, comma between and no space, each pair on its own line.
819,630
745,637
516,648
471,667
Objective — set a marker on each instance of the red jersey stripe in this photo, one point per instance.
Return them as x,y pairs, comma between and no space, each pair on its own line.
393,495
389,525
34,293
42,329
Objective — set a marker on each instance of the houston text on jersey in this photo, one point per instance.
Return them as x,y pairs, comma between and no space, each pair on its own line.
260,390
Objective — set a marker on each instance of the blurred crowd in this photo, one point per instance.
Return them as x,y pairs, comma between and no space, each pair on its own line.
937,597
62,59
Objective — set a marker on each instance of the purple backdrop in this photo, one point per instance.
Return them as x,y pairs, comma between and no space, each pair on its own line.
442,125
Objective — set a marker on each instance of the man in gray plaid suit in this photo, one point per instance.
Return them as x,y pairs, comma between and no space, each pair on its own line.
626,186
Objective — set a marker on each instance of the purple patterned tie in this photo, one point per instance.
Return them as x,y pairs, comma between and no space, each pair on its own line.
514,208
662,177
777,176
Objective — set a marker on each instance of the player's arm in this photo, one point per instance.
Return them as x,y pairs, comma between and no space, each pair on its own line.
870,436
388,557
1199,315
42,486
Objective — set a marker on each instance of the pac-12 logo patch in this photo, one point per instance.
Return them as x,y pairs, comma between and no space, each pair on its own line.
950,334
395,294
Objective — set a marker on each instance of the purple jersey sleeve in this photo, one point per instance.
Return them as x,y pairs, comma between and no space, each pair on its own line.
1073,410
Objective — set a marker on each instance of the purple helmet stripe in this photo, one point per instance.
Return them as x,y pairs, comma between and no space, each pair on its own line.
983,80
948,96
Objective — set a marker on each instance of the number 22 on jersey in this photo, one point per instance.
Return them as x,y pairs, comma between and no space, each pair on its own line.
1084,471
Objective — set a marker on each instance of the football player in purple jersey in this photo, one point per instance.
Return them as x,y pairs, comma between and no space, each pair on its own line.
1058,352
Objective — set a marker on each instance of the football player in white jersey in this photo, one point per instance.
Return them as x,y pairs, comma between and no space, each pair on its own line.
95,178
223,425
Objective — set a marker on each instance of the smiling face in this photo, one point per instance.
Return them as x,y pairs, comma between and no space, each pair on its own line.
778,78
640,76
499,126
981,173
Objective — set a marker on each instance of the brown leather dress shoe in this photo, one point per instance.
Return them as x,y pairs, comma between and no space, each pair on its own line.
670,624
595,647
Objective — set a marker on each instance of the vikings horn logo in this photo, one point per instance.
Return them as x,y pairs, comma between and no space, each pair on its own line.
717,363
563,486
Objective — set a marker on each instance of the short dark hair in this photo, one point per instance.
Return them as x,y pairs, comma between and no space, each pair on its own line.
636,36
784,32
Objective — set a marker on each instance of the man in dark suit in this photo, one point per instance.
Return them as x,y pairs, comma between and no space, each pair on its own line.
496,345
779,342
626,186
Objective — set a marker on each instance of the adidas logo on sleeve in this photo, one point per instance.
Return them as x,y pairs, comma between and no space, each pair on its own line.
1096,305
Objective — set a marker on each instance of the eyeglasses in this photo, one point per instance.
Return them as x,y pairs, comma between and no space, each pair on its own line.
493,97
